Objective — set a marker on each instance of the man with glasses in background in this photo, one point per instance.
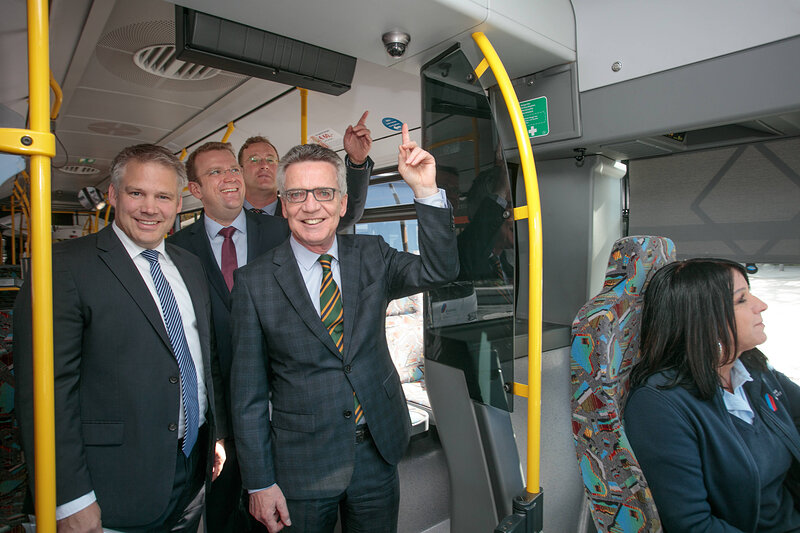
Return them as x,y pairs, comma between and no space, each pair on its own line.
259,161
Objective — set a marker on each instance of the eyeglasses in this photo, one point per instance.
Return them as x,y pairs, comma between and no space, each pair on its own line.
267,160
321,194
233,171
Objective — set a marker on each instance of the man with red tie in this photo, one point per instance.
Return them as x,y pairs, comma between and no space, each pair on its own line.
225,237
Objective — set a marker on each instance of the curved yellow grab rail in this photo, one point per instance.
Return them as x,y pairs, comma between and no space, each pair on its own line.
303,116
534,215
228,132
59,97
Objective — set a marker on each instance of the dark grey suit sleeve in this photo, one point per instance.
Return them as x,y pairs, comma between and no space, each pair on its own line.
437,262
72,473
250,389
357,185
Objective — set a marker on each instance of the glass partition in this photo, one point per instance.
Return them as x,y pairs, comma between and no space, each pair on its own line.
470,323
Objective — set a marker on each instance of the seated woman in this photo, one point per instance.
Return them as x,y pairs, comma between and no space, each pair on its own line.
713,427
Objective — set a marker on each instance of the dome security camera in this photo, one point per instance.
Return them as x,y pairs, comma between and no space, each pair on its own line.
396,42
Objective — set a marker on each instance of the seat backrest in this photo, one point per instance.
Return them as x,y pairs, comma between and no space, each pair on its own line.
605,346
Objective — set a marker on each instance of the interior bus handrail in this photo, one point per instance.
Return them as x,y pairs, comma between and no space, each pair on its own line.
533,213
228,132
59,97
39,143
303,116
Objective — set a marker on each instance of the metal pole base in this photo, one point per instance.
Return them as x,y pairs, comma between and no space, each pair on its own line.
528,515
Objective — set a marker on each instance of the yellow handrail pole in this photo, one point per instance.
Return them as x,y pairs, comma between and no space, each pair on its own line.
535,258
108,212
227,132
303,116
41,270
59,97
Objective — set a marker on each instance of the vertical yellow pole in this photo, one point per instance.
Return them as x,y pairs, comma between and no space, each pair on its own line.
534,212
41,271
303,116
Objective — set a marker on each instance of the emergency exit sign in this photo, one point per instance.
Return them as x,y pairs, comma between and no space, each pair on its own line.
535,114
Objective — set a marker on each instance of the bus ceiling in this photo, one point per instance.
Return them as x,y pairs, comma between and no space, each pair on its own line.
618,75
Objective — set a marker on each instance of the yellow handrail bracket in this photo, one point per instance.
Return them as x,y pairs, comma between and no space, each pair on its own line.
28,142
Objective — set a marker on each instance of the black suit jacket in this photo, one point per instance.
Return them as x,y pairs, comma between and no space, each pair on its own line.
117,396
264,232
282,349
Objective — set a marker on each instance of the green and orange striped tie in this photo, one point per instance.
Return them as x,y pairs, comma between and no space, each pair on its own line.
332,314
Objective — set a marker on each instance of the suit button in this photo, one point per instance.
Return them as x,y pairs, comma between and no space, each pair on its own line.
348,414
173,379
173,427
346,369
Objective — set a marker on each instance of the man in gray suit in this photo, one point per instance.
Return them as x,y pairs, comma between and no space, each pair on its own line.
308,334
135,380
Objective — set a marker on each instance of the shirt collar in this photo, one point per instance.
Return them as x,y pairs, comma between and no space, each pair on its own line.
268,209
306,258
131,247
213,227
739,375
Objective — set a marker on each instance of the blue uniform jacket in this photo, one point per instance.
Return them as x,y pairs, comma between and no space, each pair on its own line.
702,474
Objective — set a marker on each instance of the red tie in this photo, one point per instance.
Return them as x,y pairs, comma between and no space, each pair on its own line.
229,262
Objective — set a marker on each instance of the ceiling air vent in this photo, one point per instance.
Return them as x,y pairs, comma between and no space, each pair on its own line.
83,170
160,61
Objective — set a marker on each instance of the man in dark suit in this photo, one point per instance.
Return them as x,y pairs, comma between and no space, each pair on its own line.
259,161
216,180
134,384
308,333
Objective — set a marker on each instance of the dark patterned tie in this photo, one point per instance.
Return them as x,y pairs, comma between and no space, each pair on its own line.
229,263
332,315
257,211
177,338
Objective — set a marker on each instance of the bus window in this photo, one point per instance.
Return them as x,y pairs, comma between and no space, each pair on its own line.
387,201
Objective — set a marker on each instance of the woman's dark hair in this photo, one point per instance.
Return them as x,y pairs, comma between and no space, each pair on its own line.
688,321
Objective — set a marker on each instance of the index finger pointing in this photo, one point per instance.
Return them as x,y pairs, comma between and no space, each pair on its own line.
406,136
363,120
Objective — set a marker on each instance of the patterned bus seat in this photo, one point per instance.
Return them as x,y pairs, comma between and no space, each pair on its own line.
605,346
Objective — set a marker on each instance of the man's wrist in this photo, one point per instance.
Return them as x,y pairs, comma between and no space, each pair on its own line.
358,166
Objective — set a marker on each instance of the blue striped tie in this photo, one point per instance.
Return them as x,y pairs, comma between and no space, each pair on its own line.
177,338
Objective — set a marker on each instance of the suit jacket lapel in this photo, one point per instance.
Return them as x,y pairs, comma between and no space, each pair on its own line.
291,283
201,244
350,270
115,256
